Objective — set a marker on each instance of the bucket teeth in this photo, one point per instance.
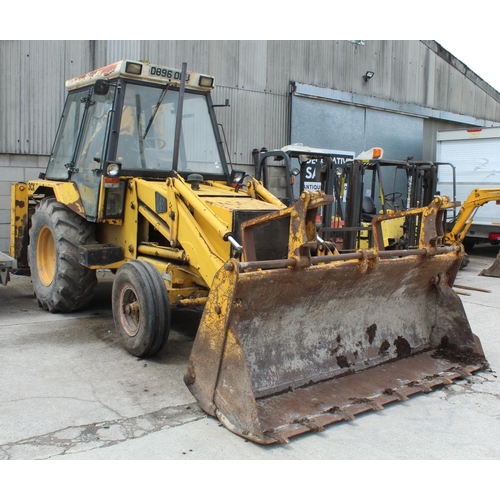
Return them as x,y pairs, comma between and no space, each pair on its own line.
342,413
401,396
463,372
375,406
446,380
347,416
398,394
370,403
421,386
311,424
277,436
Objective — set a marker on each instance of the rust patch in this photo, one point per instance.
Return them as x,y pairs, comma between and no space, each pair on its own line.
371,331
342,362
403,348
358,401
384,347
414,383
463,356
333,351
100,72
20,203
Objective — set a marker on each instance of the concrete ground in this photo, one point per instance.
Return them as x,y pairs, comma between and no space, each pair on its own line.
71,392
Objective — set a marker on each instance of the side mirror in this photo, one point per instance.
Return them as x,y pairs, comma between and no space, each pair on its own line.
236,179
101,87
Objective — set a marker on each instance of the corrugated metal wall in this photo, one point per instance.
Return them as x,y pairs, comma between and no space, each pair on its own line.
32,92
254,75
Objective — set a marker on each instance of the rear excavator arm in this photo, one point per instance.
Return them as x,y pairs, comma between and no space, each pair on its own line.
476,199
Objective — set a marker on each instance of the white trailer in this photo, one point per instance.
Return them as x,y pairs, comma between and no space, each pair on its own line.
475,156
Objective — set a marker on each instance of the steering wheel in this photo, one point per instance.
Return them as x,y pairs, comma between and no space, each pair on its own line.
149,143
391,198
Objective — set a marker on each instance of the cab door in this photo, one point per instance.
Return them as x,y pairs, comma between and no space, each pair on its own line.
91,151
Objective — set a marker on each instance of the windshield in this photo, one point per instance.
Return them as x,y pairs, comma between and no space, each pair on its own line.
147,130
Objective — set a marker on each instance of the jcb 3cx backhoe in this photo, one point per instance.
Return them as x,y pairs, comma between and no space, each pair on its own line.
293,336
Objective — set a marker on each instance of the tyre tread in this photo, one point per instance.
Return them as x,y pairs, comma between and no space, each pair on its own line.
73,285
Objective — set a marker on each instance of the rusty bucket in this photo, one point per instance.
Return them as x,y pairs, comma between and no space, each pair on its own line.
284,348
283,351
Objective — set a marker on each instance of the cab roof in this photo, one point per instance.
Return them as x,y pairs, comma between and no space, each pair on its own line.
142,71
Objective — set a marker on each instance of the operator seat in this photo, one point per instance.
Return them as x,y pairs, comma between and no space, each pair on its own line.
368,209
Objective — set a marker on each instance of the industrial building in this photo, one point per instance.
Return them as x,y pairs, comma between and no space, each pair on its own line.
345,95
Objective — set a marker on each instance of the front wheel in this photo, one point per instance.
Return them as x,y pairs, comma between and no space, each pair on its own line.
141,309
60,283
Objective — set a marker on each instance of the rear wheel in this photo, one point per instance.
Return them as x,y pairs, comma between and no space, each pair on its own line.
60,283
141,308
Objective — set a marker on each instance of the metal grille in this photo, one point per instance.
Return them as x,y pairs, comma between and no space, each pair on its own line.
271,239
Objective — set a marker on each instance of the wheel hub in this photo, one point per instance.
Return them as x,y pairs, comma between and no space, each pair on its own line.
130,311
46,256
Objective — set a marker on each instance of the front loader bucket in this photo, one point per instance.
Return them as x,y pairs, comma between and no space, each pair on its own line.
283,351
287,346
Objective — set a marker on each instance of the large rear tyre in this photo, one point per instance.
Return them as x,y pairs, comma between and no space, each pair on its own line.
60,283
141,308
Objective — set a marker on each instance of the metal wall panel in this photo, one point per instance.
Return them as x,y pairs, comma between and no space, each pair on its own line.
399,135
32,91
253,120
331,125
124,49
483,105
279,63
327,125
10,98
223,62
406,71
252,65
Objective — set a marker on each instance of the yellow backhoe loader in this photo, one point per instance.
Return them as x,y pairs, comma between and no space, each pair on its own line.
293,336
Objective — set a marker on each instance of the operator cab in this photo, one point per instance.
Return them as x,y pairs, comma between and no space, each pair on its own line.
125,115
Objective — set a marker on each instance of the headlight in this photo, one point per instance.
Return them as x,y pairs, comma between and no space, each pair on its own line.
206,81
133,68
113,170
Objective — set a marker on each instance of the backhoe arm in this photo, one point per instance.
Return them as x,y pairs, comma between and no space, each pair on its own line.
476,199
